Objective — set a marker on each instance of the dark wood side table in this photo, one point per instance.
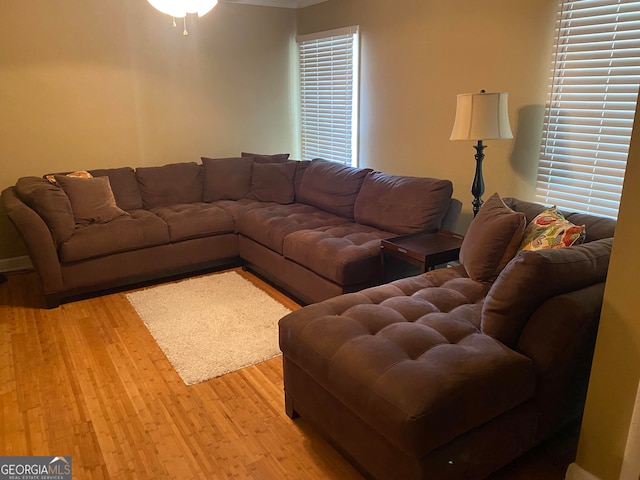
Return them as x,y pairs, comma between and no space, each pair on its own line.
422,250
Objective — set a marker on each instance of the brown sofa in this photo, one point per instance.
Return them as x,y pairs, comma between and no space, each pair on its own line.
314,228
453,373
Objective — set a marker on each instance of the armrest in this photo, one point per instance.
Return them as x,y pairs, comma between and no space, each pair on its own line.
563,329
560,338
38,240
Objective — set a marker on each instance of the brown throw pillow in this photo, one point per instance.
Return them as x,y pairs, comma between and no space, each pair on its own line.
492,240
92,200
273,182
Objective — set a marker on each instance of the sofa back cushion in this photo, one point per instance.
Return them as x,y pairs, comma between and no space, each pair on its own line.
402,204
51,203
123,185
273,182
170,184
331,186
533,277
226,178
492,240
262,158
301,167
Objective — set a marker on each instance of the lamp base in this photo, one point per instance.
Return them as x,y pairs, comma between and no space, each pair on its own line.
477,187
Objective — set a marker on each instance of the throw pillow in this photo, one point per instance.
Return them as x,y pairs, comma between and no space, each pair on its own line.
92,200
551,230
226,178
79,174
273,182
492,240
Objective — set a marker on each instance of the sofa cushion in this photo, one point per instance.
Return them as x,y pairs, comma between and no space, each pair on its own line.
273,182
533,277
92,200
262,158
138,230
331,186
124,186
402,204
301,167
346,254
170,184
409,359
192,220
549,229
271,223
51,203
492,240
226,178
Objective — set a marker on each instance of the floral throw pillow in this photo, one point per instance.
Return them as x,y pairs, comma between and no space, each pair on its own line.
551,230
78,174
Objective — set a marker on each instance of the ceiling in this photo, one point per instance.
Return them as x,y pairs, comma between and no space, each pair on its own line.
278,3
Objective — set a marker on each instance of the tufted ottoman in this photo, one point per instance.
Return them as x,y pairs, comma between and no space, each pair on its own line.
400,368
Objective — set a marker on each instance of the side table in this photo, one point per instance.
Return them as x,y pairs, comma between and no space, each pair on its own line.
422,250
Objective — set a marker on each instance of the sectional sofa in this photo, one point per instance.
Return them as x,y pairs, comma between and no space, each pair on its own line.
311,227
452,374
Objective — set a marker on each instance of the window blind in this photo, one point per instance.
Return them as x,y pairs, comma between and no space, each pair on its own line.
328,95
592,99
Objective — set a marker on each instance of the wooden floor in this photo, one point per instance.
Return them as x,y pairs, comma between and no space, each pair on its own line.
87,379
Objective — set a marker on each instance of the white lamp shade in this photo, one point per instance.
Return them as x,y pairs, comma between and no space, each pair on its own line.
180,8
482,116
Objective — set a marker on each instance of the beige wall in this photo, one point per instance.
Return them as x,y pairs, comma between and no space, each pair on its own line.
616,369
417,55
97,84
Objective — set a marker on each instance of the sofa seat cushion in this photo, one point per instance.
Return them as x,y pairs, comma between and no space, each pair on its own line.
346,254
409,359
138,230
192,220
271,223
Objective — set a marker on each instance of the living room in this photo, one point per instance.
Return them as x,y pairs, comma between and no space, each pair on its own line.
111,84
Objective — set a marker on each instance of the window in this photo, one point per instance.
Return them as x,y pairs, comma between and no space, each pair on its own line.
329,95
592,100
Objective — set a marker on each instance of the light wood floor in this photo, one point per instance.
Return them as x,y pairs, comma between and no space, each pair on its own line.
88,380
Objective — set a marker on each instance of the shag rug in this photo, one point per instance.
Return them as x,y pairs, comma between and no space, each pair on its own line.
211,325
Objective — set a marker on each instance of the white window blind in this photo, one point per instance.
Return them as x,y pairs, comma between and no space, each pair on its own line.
592,100
329,95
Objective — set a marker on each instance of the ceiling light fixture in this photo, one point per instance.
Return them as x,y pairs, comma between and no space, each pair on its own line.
180,8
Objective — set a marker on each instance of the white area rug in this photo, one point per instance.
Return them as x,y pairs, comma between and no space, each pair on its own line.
211,325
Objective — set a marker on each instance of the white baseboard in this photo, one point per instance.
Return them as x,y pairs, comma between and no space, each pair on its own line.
15,264
574,472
